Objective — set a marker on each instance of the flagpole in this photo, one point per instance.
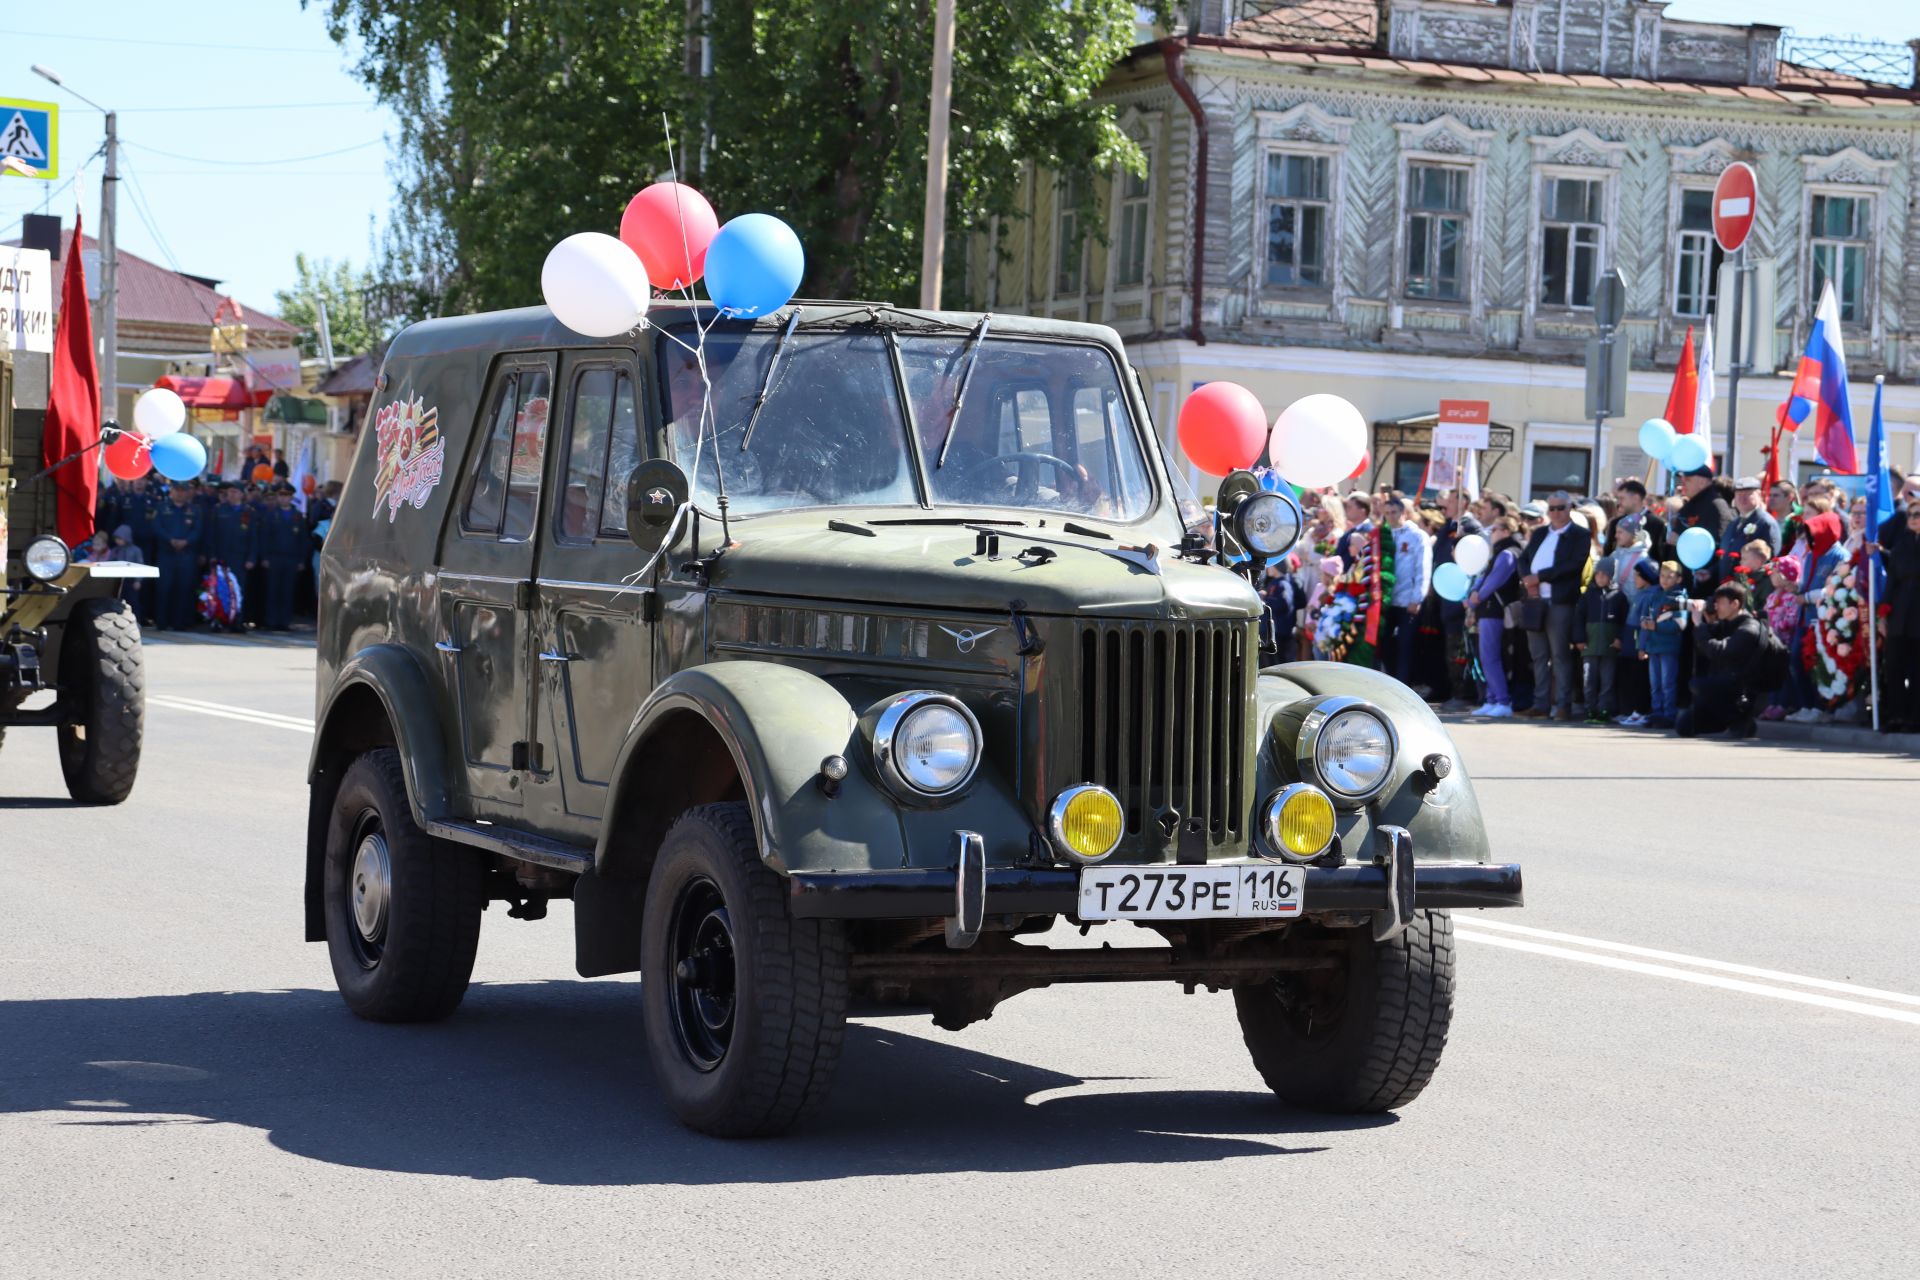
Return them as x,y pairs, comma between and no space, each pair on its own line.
1878,448
1873,641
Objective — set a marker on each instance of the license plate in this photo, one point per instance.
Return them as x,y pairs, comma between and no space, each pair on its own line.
1227,891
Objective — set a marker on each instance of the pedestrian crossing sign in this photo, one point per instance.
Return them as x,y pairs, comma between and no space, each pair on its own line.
29,139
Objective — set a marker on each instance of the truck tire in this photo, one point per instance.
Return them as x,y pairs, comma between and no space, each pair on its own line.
1362,1038
103,695
744,1006
402,908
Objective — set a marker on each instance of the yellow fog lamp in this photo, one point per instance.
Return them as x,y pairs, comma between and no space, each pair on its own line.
1086,822
1300,822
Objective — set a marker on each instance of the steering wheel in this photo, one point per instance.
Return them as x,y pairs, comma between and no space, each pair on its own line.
1027,482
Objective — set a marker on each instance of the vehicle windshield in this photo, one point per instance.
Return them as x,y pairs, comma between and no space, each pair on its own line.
1041,425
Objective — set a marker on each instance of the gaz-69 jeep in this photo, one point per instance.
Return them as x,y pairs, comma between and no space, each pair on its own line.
844,680
64,628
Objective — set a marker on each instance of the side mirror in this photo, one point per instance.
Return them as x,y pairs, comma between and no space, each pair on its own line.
1261,523
655,493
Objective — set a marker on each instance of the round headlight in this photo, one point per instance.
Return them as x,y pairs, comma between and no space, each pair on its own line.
926,744
1347,747
1300,822
47,558
1086,822
1267,524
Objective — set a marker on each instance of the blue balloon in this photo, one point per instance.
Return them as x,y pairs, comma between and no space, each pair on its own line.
1656,438
1688,453
1696,548
1451,581
179,456
754,265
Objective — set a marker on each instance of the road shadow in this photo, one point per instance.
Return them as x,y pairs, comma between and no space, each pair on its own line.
549,1081
42,802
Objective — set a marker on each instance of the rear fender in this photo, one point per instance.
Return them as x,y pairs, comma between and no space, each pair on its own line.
1444,820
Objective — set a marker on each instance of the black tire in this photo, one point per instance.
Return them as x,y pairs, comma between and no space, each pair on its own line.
411,959
103,694
745,1046
1365,1037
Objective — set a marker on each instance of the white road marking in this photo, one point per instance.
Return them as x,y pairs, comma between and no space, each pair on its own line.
1687,975
224,712
1745,970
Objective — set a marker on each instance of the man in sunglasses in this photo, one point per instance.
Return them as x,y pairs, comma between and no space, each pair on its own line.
1554,560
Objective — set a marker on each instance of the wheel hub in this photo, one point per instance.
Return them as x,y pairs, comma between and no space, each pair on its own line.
702,955
371,889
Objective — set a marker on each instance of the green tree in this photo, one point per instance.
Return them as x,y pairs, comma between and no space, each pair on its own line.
524,121
346,293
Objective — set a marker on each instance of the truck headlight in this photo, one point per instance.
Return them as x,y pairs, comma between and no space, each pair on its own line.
1267,524
926,745
1300,822
1346,746
47,558
1086,823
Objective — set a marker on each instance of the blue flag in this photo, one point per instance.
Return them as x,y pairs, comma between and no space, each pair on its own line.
1879,477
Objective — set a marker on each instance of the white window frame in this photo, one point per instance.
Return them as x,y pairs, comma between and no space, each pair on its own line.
1603,244
1557,435
1677,237
1062,187
1869,261
1329,255
1469,240
1144,129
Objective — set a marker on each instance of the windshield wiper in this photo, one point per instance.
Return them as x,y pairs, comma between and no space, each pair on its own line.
766,383
972,352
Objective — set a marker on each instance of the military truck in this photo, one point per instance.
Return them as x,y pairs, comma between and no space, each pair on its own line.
63,625
840,655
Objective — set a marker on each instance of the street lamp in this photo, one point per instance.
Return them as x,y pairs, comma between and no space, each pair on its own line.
109,256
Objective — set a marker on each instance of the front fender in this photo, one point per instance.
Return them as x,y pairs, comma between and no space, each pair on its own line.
1445,822
392,675
778,723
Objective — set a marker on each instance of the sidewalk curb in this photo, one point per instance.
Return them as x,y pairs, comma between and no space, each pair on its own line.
1856,737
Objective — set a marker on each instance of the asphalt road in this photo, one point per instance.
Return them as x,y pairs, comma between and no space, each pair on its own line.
183,1094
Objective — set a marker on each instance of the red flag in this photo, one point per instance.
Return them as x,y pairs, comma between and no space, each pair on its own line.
1685,396
73,404
1782,424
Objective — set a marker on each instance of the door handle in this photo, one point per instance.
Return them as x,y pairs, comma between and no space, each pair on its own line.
550,656
446,646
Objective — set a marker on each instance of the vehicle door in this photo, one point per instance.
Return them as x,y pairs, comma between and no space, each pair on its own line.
595,637
485,608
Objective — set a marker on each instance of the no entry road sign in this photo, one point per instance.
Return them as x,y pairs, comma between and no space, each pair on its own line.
1733,206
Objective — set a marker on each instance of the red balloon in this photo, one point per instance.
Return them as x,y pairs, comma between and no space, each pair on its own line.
1222,428
670,235
1366,461
127,457
262,473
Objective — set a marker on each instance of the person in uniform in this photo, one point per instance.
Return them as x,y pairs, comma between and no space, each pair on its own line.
231,534
253,583
281,546
180,530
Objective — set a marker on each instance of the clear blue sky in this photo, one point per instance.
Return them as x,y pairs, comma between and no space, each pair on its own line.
247,183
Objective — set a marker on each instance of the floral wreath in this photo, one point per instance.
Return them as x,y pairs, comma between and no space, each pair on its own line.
1350,620
1833,647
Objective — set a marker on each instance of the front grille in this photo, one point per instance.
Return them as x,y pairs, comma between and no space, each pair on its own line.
1164,710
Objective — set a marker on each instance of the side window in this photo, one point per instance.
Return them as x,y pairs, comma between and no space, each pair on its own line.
487,499
523,467
585,489
1026,422
623,455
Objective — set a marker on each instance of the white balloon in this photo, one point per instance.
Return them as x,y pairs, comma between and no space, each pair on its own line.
158,412
595,285
1318,440
1473,553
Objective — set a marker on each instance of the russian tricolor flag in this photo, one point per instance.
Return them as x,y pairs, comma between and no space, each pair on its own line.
1820,389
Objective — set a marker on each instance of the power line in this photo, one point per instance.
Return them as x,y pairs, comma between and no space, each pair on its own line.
318,155
165,44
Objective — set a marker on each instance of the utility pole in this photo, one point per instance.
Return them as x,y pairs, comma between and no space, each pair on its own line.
1737,364
934,228
109,255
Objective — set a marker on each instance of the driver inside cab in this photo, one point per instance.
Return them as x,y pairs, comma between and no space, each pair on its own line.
1003,451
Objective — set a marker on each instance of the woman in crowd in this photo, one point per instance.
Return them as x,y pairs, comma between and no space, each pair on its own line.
1498,587
1900,681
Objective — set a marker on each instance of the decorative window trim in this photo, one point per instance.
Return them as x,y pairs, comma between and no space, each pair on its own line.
1476,190
1335,156
1676,194
1877,215
1055,258
1709,159
1145,128
1536,227
1306,123
1578,148
1849,166
1445,138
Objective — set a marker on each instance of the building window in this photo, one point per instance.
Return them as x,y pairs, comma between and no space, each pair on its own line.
1839,226
1131,243
1436,231
1297,221
1570,247
1698,279
1557,466
1067,242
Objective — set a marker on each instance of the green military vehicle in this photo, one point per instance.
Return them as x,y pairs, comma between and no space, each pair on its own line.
63,626
837,656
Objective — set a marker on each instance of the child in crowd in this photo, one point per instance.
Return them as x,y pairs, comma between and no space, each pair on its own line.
1603,612
1662,623
1754,573
1783,613
1646,594
1632,697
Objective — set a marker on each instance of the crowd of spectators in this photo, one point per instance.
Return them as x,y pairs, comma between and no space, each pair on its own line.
1584,611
